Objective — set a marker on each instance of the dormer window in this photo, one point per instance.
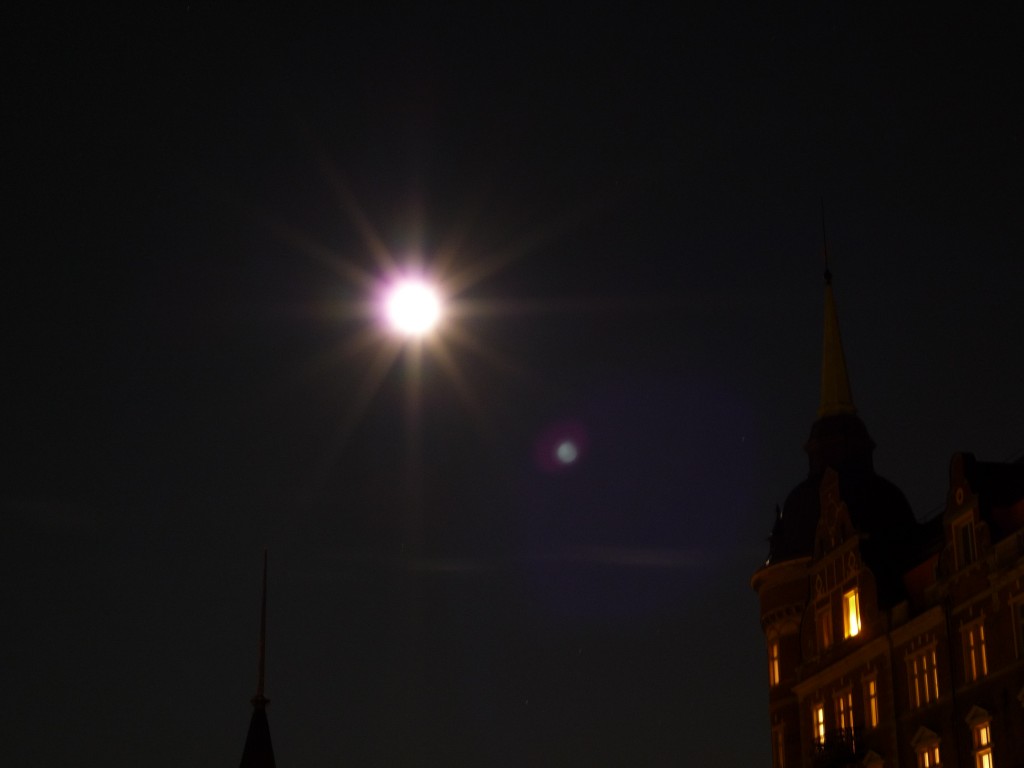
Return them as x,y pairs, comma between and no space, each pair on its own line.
982,737
980,723
926,746
929,756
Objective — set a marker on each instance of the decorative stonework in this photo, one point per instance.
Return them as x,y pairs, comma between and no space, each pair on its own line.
976,715
872,760
782,621
834,524
924,737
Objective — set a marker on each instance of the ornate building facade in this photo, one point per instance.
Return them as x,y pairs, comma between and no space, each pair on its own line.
892,642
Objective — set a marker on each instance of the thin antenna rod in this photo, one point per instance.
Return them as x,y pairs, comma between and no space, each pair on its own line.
263,636
824,241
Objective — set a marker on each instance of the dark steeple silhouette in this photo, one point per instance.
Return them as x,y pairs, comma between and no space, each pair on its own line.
839,441
259,752
835,381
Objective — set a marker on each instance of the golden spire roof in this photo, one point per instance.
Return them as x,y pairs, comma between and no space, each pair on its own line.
836,397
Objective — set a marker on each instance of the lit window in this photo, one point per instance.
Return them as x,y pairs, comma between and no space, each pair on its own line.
851,613
818,725
963,541
928,757
871,703
773,663
983,746
975,660
844,716
823,619
778,748
923,672
926,747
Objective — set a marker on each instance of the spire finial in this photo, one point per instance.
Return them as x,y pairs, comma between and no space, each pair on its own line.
258,751
824,244
259,699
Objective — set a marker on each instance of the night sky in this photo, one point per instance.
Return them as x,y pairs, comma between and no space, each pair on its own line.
624,209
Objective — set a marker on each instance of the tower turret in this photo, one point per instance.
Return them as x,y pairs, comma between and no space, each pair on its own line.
839,441
840,475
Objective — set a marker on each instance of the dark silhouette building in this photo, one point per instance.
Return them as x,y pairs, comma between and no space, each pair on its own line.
892,642
259,751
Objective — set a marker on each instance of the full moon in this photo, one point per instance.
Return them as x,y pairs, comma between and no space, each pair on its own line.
412,307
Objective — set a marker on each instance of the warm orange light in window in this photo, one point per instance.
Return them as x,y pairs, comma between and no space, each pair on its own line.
982,735
844,715
977,661
872,697
778,748
929,758
983,746
851,613
981,647
773,663
924,678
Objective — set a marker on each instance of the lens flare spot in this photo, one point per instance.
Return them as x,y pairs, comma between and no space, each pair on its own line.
567,452
561,447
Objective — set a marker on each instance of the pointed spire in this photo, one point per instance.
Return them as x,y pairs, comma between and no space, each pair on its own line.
835,381
260,698
258,751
